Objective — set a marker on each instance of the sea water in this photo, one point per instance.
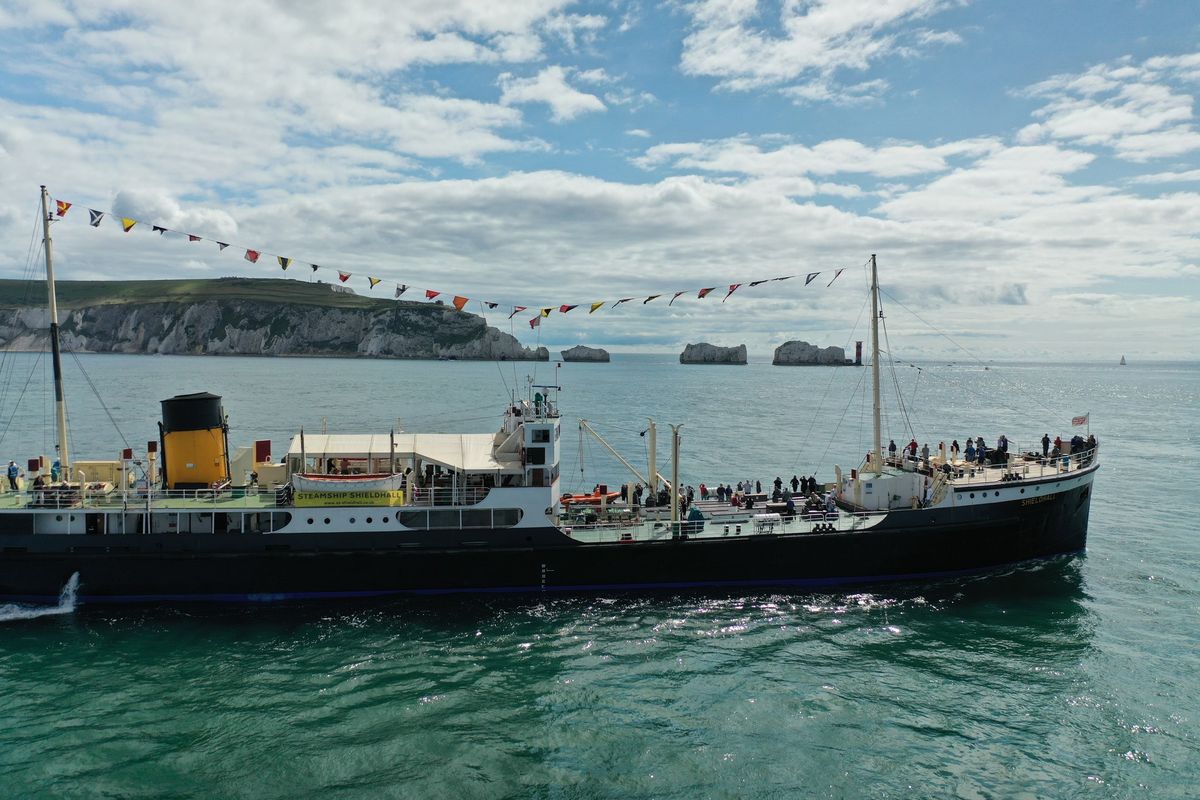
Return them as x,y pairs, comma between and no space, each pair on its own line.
1078,678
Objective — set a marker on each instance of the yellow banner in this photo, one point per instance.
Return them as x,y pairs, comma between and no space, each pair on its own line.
381,497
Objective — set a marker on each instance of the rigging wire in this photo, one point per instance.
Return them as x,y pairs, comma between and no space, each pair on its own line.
832,375
895,378
832,435
17,405
99,399
970,354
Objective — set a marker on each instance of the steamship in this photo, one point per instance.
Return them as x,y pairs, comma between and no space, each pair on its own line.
189,519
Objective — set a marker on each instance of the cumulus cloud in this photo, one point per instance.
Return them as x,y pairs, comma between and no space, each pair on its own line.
745,156
344,144
808,44
1139,111
550,87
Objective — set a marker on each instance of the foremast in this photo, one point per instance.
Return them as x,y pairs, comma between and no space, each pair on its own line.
877,452
60,403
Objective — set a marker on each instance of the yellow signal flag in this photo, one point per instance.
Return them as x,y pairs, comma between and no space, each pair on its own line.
595,306
284,261
374,281
128,223
547,311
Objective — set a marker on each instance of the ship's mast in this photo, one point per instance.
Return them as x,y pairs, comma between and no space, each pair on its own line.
60,403
877,453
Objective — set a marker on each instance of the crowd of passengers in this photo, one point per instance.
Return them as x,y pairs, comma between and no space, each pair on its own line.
976,452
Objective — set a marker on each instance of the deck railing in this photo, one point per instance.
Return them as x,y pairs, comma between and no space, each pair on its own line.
632,530
213,499
1018,466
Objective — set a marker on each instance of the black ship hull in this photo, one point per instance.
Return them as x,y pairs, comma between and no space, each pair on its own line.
907,545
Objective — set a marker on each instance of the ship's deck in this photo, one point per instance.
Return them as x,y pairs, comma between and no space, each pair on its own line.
182,501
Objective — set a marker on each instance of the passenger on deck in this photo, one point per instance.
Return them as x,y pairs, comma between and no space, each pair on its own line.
749,502
1045,445
789,510
778,484
925,454
703,492
795,484
954,450
970,451
1058,444
758,487
912,449
981,451
892,449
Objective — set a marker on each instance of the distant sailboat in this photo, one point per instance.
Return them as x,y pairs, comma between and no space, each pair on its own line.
1122,361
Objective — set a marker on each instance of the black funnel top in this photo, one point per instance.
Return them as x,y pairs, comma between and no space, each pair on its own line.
192,412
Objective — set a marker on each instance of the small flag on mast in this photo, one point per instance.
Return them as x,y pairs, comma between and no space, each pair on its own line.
63,207
1081,420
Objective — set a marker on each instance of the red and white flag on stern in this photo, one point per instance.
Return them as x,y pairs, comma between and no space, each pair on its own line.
1081,420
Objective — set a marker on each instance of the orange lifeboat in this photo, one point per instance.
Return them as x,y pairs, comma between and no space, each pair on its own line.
596,498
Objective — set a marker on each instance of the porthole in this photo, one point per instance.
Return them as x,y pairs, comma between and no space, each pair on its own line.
58,517
997,494
972,495
960,497
1022,491
385,519
327,520
369,520
310,520
352,520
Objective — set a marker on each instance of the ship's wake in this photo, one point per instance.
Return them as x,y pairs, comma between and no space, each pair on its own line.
10,612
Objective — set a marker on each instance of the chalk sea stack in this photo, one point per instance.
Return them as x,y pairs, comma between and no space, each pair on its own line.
582,353
705,353
797,353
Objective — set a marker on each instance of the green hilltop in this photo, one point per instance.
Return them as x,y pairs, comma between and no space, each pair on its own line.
80,294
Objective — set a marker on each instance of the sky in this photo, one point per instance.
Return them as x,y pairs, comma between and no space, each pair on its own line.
1028,173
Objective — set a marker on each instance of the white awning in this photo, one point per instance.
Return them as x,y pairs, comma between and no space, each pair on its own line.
466,452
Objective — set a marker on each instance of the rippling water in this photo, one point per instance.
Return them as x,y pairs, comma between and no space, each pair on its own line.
1078,678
